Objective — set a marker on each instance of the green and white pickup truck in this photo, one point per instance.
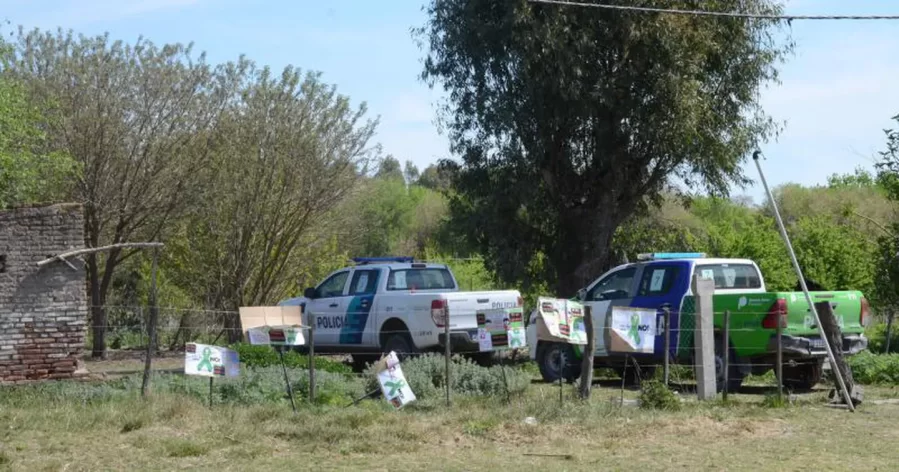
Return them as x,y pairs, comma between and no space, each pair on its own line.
662,281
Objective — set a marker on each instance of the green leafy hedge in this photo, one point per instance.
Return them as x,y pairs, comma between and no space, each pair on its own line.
868,368
266,356
877,335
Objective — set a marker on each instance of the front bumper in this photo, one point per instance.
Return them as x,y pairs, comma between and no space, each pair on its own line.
461,341
813,346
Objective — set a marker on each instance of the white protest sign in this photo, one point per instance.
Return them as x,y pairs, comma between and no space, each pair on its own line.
393,383
633,330
500,329
210,361
561,321
273,325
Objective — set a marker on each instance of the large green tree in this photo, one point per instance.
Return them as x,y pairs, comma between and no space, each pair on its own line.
137,119
568,119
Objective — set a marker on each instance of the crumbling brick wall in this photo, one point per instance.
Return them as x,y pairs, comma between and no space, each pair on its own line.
43,310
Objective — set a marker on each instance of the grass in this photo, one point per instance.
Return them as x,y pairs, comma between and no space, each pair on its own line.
54,429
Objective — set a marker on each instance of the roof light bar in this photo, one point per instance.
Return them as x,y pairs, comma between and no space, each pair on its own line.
670,255
382,260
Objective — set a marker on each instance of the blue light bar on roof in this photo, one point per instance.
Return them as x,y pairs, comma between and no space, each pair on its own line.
670,255
382,260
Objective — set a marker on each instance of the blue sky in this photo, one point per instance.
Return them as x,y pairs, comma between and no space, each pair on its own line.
838,91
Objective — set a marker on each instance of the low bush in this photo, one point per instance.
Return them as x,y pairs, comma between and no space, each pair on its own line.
655,395
869,368
426,375
266,356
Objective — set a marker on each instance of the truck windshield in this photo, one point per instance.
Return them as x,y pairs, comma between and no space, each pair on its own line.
420,279
731,276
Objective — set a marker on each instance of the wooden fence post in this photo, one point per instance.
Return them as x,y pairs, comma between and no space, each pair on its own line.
834,337
589,349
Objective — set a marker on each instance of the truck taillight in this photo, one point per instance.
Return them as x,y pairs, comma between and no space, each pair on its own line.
864,315
439,312
778,312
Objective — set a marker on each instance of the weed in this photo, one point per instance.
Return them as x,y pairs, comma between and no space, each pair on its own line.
773,400
655,395
176,447
868,368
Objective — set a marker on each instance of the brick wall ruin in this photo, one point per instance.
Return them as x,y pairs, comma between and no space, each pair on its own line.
43,311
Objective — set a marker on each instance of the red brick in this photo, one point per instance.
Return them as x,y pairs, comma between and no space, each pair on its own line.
59,376
14,378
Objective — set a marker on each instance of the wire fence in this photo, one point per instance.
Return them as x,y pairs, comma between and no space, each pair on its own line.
750,364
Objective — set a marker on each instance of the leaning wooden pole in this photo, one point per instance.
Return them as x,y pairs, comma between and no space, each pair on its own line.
808,297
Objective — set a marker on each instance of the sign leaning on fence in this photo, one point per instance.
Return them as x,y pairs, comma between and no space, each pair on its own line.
561,321
500,329
210,361
273,325
393,383
633,330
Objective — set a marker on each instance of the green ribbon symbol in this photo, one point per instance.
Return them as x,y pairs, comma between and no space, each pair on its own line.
205,363
635,329
394,386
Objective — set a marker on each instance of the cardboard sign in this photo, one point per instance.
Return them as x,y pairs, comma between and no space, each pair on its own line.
561,321
633,330
210,361
273,325
501,329
393,383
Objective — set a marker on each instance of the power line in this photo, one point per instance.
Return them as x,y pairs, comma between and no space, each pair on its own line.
717,13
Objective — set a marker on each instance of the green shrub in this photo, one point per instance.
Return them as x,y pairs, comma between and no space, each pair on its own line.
868,368
266,356
877,335
655,395
426,375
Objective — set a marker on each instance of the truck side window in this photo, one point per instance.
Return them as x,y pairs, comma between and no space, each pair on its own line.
333,287
365,282
657,280
614,287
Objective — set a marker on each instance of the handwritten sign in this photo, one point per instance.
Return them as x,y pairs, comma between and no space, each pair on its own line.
210,361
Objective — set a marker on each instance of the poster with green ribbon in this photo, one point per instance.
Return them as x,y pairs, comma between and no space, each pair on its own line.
633,330
210,361
501,329
393,383
561,321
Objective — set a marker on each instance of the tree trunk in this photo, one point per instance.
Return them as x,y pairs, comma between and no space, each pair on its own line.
587,362
834,337
98,311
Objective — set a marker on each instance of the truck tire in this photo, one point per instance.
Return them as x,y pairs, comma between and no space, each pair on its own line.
556,359
734,374
803,376
401,344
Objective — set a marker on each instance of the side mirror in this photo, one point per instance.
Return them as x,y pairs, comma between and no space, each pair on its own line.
309,293
582,294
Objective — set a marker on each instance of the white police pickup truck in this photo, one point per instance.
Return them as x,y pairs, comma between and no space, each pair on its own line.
395,304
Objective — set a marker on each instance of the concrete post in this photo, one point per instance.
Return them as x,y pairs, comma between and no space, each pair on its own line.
705,338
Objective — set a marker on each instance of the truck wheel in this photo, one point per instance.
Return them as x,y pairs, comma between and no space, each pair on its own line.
555,359
734,375
803,376
401,344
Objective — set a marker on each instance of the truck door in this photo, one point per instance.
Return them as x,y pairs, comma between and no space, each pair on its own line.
663,285
328,309
362,290
615,289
